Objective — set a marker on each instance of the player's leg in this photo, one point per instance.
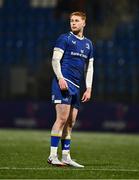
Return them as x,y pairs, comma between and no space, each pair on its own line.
66,139
66,135
62,114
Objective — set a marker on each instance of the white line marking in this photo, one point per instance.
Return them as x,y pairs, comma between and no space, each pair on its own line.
67,169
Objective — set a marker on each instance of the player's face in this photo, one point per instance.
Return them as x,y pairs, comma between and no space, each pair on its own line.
77,24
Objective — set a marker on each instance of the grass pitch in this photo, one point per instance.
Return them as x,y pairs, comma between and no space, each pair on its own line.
23,155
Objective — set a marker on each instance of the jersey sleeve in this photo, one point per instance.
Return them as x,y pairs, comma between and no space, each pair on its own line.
61,42
91,54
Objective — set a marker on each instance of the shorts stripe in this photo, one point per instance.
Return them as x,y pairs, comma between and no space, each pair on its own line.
72,83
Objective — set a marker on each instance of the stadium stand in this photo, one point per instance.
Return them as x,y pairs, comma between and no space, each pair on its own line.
28,34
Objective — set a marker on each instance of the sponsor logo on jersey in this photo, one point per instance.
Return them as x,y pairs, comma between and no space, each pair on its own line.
78,54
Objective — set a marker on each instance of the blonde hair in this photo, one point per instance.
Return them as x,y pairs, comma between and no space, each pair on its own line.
79,13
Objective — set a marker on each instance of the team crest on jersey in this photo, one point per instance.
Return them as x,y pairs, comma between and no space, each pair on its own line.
87,46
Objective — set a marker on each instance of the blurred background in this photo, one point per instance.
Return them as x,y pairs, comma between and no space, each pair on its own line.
28,31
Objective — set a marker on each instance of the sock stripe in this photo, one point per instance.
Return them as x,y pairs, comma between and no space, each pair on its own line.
56,135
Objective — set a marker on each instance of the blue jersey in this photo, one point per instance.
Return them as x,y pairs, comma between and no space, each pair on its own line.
77,52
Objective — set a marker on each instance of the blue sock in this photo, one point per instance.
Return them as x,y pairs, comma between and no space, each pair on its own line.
55,141
65,144
55,137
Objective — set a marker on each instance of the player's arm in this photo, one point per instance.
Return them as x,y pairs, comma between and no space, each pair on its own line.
89,80
57,56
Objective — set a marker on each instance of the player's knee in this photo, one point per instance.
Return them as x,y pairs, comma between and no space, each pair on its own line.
62,121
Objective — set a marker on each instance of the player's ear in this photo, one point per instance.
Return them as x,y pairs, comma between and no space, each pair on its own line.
84,24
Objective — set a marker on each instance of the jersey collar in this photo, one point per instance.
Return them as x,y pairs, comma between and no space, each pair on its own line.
81,38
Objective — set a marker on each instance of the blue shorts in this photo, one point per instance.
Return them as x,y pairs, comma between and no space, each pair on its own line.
70,96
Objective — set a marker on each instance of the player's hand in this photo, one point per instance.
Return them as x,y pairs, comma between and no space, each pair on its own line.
87,95
63,84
